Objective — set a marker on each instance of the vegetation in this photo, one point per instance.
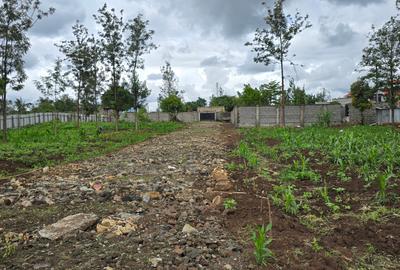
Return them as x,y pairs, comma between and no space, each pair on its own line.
230,204
38,145
273,42
261,244
16,19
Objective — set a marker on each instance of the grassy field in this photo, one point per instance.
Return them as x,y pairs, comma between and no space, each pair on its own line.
42,145
334,193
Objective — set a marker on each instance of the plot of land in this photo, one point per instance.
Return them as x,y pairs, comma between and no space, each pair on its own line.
331,195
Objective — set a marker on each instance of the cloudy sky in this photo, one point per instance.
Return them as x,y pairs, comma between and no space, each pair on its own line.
204,41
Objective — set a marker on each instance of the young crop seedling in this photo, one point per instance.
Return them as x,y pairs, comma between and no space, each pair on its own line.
230,204
261,243
283,196
300,170
325,196
383,183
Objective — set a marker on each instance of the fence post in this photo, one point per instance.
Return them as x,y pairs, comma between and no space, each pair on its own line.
277,115
302,112
257,116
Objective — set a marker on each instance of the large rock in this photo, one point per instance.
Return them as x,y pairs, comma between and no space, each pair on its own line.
68,225
220,175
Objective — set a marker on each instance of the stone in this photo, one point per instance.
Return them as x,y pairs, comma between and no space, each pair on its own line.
179,251
97,186
223,186
46,169
220,175
228,267
189,229
26,203
155,261
217,201
68,225
118,225
151,196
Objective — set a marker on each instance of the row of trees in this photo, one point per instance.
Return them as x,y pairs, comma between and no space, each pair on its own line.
380,67
268,95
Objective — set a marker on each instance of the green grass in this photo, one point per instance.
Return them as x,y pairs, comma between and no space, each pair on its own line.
371,150
40,145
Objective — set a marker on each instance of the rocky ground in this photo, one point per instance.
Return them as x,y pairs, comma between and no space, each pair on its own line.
154,205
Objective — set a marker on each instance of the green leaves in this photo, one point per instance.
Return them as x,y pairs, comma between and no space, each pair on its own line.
261,244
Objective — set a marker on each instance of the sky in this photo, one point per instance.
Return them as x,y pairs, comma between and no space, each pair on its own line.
204,41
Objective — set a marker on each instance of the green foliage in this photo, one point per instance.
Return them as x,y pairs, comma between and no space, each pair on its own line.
38,145
283,196
192,106
244,151
228,102
361,95
172,104
230,204
383,184
261,243
265,95
119,100
9,249
324,119
316,247
300,170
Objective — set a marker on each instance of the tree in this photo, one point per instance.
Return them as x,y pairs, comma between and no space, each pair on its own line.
43,105
170,82
192,106
54,82
17,17
120,100
273,42
361,95
65,104
382,59
140,92
113,48
228,102
21,106
77,52
250,96
96,77
138,43
173,105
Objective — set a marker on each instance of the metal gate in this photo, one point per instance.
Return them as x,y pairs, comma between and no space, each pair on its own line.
207,117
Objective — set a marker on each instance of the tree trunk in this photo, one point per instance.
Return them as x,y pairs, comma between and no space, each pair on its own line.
283,97
4,113
136,120
362,118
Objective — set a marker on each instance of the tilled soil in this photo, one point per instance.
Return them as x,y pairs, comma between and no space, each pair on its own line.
143,196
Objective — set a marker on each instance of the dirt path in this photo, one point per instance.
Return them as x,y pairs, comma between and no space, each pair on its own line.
142,196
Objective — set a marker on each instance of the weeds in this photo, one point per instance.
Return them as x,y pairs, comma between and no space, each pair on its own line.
230,204
261,243
283,196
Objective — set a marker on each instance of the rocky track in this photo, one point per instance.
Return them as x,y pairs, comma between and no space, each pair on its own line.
148,206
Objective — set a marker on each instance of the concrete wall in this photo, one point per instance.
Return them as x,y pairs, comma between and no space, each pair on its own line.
187,117
384,116
294,115
355,116
18,121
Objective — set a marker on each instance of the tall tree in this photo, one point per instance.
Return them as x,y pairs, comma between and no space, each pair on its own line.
54,83
21,106
77,52
170,82
113,48
273,42
361,95
139,42
140,92
17,17
382,59
94,87
122,103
